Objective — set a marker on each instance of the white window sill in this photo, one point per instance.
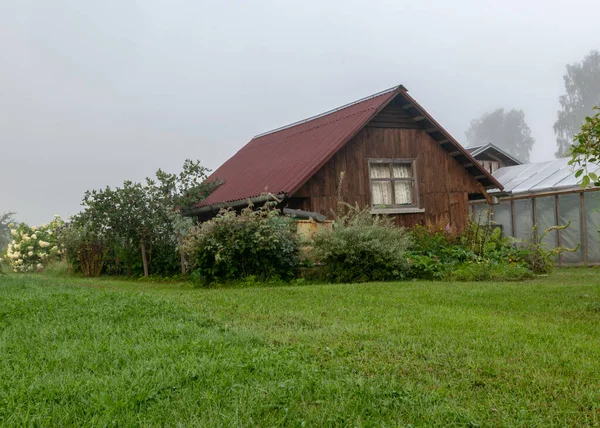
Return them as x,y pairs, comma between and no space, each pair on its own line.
397,210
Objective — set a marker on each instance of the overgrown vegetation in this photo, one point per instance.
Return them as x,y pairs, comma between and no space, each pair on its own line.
361,247
585,152
136,229
479,253
256,243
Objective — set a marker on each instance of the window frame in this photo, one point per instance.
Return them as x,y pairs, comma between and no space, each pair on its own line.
395,209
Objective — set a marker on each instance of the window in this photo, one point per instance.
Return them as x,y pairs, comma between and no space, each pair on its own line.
393,185
490,166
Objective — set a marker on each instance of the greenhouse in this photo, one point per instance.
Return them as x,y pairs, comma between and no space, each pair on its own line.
547,194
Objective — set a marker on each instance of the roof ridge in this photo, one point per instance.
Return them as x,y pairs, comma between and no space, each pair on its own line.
271,141
303,121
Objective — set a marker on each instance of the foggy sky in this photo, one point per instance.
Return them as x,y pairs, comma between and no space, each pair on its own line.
96,92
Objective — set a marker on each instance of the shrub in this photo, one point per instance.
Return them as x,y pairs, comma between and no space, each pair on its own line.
32,247
361,247
85,249
479,253
257,242
536,254
435,251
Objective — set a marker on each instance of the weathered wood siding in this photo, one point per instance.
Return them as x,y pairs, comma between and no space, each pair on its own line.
442,184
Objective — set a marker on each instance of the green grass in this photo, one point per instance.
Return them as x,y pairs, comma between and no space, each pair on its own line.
106,352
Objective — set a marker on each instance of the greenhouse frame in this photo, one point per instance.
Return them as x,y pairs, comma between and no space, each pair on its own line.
547,194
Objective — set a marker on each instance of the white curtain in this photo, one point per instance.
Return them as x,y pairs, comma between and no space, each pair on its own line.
381,192
404,193
402,170
380,170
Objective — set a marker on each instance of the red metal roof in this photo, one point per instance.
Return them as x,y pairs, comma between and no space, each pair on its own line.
282,160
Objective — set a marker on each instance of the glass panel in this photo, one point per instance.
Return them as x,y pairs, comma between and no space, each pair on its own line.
502,216
381,192
404,192
571,236
380,170
545,216
402,170
523,218
480,213
592,224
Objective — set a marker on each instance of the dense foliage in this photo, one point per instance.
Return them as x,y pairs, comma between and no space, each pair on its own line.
257,243
582,93
85,249
507,130
361,247
33,247
137,228
478,253
586,150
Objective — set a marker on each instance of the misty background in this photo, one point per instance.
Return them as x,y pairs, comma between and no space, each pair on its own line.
93,93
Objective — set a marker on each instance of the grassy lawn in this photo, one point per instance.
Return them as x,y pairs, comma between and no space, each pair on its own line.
106,352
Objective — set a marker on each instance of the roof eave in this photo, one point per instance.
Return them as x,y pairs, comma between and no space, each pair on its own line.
453,141
215,208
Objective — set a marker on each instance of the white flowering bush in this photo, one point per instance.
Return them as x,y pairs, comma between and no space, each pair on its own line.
33,247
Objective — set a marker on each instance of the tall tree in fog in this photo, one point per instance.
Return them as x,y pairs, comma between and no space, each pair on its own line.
582,93
509,131
5,238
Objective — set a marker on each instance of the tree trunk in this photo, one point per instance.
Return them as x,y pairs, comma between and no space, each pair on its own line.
181,255
128,249
144,259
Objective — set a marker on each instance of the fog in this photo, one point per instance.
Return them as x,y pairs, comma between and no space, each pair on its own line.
93,93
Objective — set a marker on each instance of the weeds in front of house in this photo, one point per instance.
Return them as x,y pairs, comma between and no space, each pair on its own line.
479,253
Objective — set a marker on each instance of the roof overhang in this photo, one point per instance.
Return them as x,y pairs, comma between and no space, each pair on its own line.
448,143
215,208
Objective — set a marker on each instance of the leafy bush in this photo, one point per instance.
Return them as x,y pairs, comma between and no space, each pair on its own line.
85,249
257,242
361,247
479,253
32,247
435,251
535,254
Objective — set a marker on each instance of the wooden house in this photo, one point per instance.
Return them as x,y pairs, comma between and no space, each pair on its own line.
395,158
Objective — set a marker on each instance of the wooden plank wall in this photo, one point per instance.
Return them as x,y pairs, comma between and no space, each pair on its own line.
393,116
443,185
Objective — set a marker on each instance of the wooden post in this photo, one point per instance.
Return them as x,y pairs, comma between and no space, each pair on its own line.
583,230
144,259
558,237
534,217
512,218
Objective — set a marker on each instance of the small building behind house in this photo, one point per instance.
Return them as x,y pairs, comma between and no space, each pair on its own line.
492,157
